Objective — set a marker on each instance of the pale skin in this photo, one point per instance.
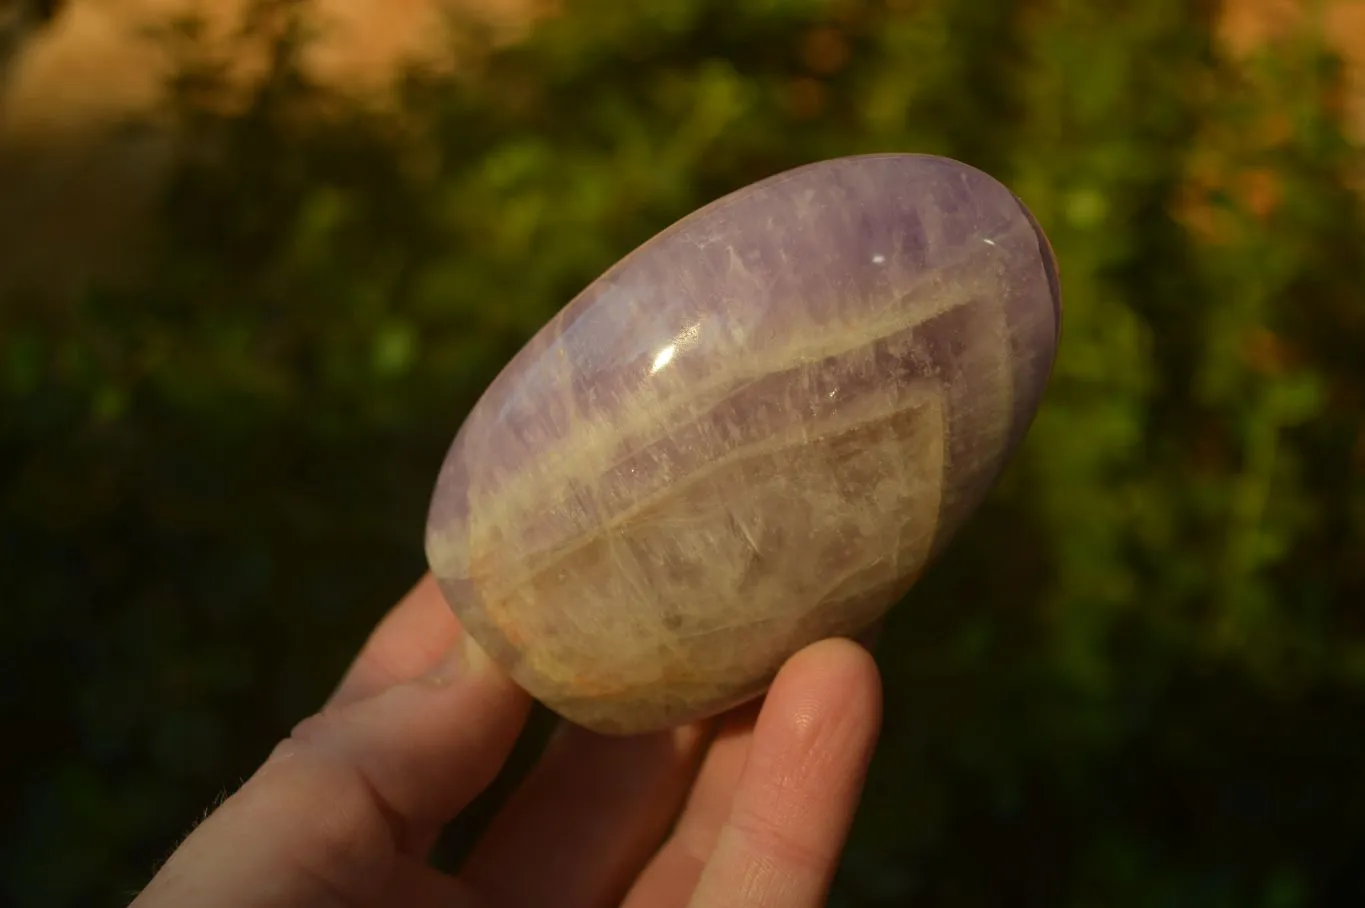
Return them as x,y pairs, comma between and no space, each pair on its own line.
750,810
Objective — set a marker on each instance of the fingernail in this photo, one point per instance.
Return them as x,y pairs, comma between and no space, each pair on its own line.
466,658
475,659
448,669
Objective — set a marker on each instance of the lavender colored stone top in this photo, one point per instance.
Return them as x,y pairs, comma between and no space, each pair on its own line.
750,434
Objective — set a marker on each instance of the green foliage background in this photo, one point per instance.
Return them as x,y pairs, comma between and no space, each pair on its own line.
1139,677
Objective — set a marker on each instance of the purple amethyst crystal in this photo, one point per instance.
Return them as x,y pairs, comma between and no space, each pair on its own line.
750,434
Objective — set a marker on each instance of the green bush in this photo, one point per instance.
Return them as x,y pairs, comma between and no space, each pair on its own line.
1138,679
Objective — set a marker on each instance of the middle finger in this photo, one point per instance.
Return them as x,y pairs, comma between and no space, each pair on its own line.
589,816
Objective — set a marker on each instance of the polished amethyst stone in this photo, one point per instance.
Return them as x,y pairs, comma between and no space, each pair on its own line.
750,434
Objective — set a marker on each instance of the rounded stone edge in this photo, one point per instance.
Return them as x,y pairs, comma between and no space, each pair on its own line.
1051,266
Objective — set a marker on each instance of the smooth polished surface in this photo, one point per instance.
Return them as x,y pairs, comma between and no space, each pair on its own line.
750,434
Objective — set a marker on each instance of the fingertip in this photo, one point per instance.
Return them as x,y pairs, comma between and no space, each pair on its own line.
467,661
410,640
426,747
834,679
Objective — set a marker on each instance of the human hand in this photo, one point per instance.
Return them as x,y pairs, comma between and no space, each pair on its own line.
751,812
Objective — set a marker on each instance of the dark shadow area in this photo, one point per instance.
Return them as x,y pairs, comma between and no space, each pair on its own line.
19,21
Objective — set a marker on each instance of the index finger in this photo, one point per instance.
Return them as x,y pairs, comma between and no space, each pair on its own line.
406,643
